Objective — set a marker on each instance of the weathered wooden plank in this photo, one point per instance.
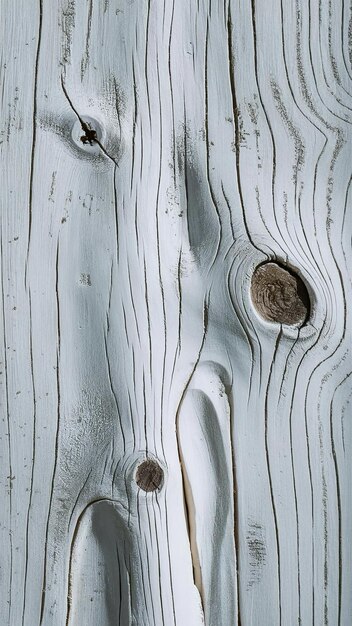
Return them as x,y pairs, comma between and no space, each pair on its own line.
157,153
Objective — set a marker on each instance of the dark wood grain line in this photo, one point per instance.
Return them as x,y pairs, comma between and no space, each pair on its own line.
307,413
109,299
148,550
34,136
230,211
141,560
268,122
132,301
145,417
125,324
118,106
132,420
171,90
161,286
32,456
179,325
307,92
134,386
343,226
133,142
81,490
207,144
146,298
56,451
120,582
85,60
273,505
230,53
306,417
295,495
246,334
8,424
343,44
130,587
335,66
338,495
236,509
113,393
116,213
325,499
146,54
158,552
169,557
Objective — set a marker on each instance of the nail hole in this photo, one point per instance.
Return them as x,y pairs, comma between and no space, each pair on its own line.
280,295
149,475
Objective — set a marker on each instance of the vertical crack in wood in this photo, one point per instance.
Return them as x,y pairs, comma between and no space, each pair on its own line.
235,121
185,482
206,104
273,505
190,519
87,131
56,452
236,516
33,454
34,134
7,424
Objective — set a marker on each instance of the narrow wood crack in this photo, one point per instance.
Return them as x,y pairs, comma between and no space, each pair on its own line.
90,135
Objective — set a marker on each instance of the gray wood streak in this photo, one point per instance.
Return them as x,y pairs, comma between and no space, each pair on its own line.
223,141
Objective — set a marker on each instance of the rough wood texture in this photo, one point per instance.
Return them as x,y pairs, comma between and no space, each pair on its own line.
154,154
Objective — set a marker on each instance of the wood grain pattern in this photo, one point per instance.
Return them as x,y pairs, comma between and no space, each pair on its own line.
154,153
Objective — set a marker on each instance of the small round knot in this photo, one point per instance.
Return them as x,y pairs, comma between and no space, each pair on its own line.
87,134
149,475
279,295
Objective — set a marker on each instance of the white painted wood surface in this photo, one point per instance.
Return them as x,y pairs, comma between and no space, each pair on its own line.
223,141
